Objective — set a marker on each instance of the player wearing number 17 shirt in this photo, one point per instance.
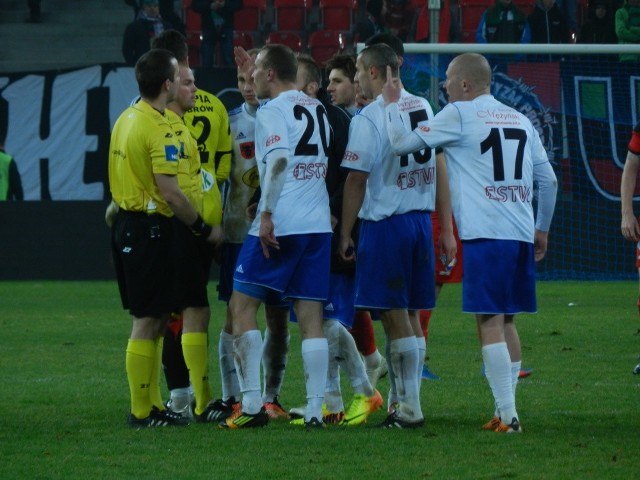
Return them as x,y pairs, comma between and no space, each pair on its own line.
289,243
393,195
494,155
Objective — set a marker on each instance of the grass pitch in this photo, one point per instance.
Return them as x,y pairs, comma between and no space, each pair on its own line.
65,399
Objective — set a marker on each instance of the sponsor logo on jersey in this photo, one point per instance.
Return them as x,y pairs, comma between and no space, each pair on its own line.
171,153
168,135
272,139
307,171
425,129
416,178
329,308
240,136
251,178
239,269
248,150
350,156
509,193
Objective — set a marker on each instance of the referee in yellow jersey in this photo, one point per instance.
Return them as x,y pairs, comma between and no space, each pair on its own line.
143,167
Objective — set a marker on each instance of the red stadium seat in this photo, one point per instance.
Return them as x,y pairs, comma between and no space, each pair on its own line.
244,40
338,15
290,39
324,45
250,17
525,6
291,14
470,14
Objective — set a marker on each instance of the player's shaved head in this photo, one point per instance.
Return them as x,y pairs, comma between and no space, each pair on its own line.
475,69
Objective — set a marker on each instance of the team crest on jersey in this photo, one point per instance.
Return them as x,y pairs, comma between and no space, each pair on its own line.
248,150
272,139
350,156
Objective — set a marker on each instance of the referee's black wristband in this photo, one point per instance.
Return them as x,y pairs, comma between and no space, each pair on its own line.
200,229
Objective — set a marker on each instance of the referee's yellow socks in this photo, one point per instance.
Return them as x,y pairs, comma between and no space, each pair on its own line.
139,364
196,357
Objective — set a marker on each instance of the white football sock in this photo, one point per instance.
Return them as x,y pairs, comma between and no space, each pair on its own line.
405,361
275,353
228,374
497,365
315,360
248,350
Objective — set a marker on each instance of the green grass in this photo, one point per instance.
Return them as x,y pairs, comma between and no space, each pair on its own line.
65,398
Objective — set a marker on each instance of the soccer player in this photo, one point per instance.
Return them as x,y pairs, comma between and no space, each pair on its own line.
288,248
143,169
629,225
341,70
393,196
243,183
208,123
494,155
338,311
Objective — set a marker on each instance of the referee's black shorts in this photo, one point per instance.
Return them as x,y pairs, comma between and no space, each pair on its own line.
193,257
143,255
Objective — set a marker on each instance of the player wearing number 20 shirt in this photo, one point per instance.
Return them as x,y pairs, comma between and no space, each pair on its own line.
293,126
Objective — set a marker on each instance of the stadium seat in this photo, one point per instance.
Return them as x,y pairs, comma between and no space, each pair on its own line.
338,15
291,15
249,19
325,44
193,32
244,40
290,39
470,14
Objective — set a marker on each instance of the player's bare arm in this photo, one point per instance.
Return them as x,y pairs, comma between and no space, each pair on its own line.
540,241
629,225
354,189
447,242
271,190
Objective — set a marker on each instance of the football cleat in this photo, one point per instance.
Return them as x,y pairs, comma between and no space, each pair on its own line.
186,411
525,372
158,418
219,410
394,421
636,371
332,418
311,424
428,374
376,373
246,420
361,407
513,427
275,410
492,424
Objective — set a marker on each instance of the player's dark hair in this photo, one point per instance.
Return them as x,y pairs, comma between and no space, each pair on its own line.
311,69
388,39
281,59
380,55
175,42
344,62
152,69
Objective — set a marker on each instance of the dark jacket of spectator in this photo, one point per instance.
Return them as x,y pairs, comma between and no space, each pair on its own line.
548,24
503,23
599,28
139,33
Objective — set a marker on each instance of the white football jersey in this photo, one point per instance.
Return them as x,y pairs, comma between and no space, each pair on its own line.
491,151
243,179
295,126
396,184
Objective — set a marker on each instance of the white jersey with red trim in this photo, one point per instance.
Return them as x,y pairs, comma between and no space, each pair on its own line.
243,180
396,184
295,126
491,151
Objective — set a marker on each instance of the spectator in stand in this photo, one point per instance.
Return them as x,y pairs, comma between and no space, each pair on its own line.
399,18
627,24
35,15
217,30
139,33
10,183
503,23
599,28
449,25
548,24
374,22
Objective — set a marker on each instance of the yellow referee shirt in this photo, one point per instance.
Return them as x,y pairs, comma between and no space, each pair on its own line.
208,122
142,144
189,178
